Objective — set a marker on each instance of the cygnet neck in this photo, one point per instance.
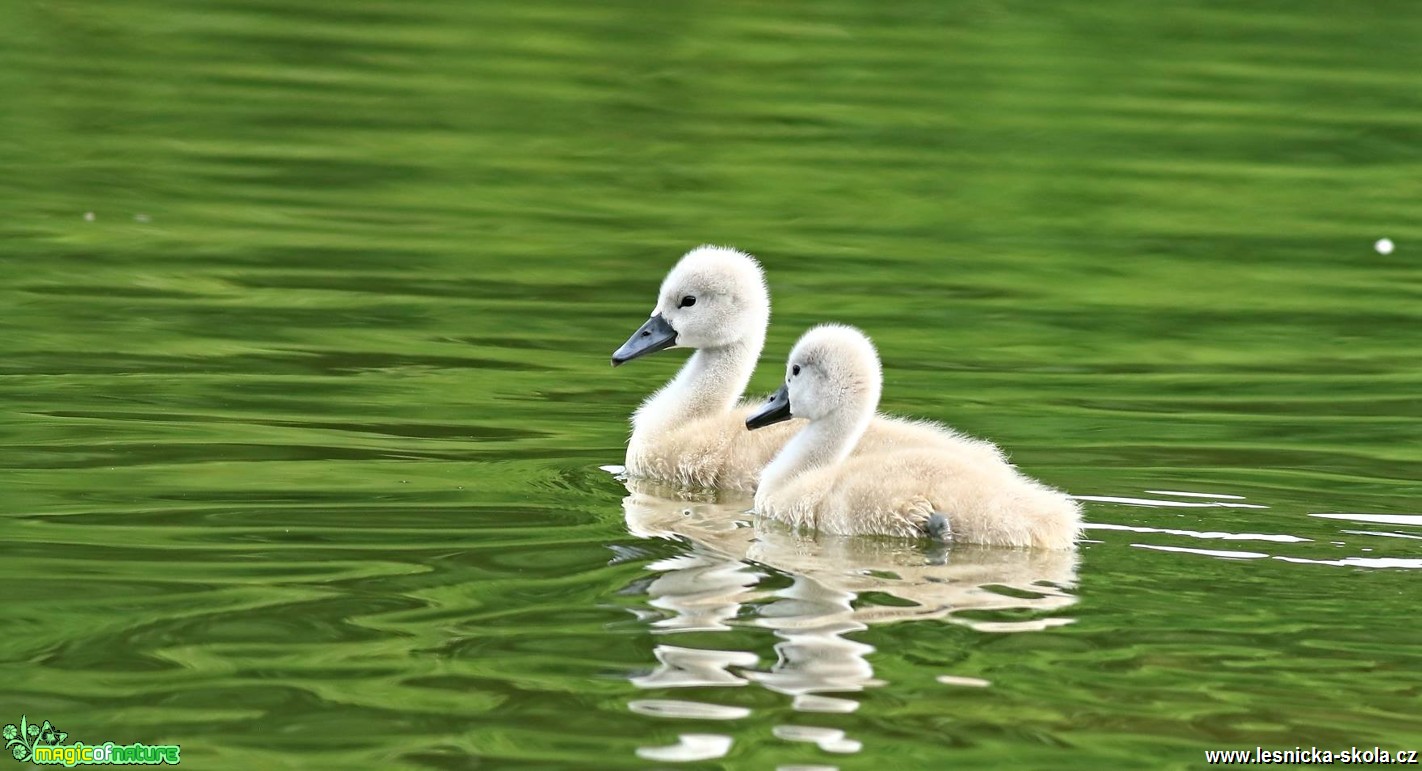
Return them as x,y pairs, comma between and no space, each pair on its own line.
710,383
825,441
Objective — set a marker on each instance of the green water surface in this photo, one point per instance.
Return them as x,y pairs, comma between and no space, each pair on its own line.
304,385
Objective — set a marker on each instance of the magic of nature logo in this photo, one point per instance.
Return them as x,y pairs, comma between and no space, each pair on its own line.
43,743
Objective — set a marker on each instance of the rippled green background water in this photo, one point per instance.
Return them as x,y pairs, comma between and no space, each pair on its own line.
304,386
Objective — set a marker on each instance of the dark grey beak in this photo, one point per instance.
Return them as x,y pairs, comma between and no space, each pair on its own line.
774,411
654,336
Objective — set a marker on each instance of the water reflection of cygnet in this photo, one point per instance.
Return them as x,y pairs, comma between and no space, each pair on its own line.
711,585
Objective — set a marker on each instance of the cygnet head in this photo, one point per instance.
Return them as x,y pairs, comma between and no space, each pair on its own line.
832,371
714,297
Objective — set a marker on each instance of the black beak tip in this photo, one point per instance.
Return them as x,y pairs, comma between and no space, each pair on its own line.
776,409
653,336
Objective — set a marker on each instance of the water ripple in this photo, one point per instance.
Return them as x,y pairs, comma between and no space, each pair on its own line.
1414,520
1278,538
689,747
827,739
1203,552
686,709
1155,502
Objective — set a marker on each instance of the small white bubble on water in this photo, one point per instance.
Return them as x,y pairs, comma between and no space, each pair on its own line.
966,682
1384,246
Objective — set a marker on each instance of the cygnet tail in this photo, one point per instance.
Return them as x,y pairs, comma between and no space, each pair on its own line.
1053,519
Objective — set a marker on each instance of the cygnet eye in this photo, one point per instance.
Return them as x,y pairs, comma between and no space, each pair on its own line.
795,370
687,302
